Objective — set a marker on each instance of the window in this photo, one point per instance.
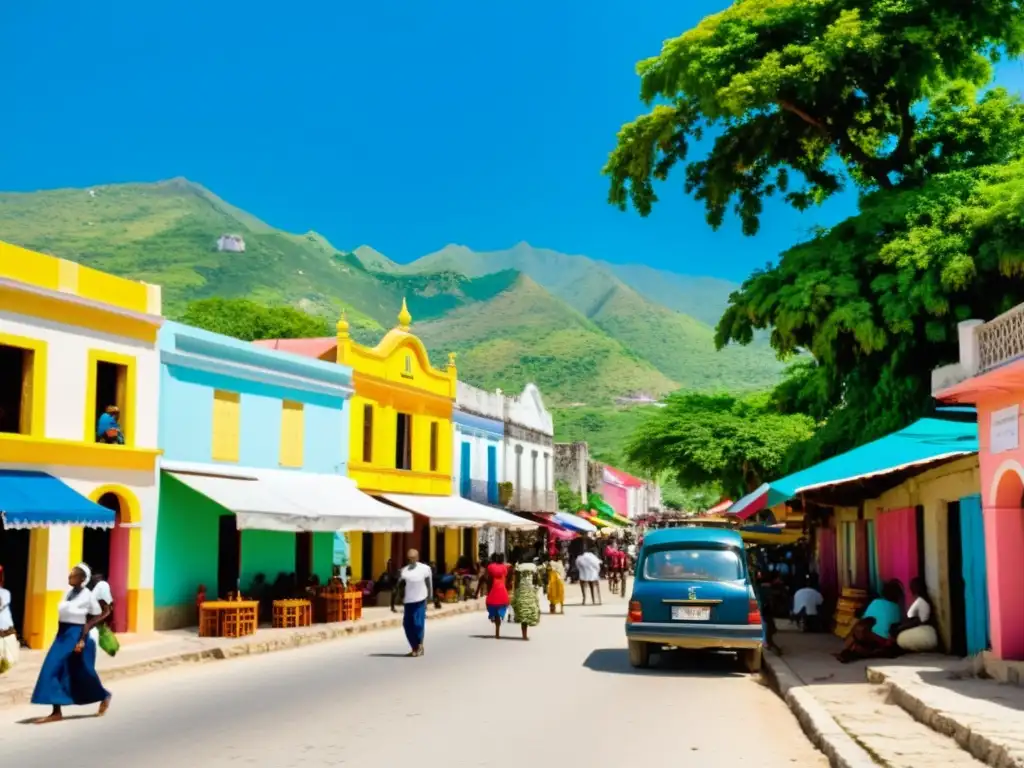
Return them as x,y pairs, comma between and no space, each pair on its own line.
227,417
704,564
23,367
403,442
293,433
110,398
368,434
433,446
408,367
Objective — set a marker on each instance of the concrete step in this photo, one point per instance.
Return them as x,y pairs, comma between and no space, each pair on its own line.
984,717
886,731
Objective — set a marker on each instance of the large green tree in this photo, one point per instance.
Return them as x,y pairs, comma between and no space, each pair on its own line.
803,97
736,443
250,321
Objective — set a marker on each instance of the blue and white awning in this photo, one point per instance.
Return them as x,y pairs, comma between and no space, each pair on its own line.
31,499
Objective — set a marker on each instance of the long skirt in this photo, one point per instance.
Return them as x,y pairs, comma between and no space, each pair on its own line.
556,589
68,678
414,622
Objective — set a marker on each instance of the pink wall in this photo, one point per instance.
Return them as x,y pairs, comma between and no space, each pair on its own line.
896,534
1004,530
616,498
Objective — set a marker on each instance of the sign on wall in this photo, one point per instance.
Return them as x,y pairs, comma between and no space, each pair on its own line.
1004,432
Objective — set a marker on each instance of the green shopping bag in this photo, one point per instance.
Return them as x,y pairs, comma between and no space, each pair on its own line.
108,640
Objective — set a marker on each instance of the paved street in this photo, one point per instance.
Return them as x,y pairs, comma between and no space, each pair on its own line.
566,697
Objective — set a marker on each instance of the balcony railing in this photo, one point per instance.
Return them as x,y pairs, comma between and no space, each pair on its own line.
533,500
1001,339
480,491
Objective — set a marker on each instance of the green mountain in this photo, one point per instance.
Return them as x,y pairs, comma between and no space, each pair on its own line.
679,343
584,331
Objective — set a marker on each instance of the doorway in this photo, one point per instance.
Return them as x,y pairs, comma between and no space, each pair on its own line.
440,551
367,574
14,550
467,545
955,568
229,555
303,557
105,551
111,389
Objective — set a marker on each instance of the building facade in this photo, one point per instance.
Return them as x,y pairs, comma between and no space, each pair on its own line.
477,467
529,452
74,341
231,410
990,376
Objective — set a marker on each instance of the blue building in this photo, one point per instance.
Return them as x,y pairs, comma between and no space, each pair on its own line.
254,469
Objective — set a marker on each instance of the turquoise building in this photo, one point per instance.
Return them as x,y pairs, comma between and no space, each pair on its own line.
254,470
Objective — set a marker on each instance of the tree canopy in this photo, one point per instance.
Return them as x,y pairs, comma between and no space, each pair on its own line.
800,98
717,439
829,89
250,321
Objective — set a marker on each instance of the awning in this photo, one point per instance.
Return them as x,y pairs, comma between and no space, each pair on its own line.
37,500
575,523
926,441
457,512
770,534
281,500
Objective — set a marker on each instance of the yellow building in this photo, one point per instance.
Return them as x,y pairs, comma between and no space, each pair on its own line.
74,341
400,444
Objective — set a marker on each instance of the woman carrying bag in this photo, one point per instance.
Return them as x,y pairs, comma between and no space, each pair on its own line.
102,634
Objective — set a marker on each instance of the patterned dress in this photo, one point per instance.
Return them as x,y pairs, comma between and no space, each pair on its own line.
525,602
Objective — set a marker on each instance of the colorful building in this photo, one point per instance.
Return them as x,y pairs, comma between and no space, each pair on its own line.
255,457
401,449
902,506
479,447
529,452
74,341
990,376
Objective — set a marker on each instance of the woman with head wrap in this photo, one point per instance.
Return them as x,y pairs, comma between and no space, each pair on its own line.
68,676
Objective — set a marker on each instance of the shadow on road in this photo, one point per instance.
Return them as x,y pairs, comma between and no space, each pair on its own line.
671,663
389,655
503,637
617,616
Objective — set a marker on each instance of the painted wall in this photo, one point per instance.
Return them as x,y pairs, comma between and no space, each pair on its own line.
480,434
68,339
532,478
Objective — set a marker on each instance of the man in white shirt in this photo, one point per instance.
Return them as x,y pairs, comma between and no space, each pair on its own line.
417,584
806,604
588,565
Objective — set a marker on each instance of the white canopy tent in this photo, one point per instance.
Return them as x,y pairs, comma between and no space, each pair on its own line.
457,512
290,501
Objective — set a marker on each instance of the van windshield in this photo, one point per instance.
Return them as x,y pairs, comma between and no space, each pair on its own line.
704,564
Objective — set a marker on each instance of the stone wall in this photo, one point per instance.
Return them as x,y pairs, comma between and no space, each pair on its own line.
571,466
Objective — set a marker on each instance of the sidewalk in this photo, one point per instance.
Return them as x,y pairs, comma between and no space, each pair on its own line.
142,654
854,721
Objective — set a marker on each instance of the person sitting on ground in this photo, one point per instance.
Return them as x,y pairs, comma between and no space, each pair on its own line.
807,604
108,428
871,637
916,633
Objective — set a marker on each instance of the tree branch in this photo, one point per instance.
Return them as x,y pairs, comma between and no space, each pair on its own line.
904,148
847,146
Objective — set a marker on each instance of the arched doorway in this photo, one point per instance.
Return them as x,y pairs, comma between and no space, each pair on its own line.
113,552
1004,538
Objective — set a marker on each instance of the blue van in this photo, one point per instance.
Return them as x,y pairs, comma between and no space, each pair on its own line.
692,590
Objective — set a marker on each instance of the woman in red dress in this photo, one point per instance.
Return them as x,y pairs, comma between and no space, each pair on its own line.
497,592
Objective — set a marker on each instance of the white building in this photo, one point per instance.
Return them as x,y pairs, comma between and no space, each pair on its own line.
231,243
529,452
478,462
74,341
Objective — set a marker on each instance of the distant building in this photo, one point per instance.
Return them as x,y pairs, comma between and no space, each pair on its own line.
231,243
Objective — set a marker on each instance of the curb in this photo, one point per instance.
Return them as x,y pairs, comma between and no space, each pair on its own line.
821,728
978,744
23,695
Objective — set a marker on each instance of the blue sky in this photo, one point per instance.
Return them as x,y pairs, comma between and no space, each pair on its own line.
402,124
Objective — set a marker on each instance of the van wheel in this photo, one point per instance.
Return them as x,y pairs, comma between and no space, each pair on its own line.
751,660
639,654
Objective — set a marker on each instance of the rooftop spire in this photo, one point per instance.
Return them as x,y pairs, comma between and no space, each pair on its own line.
342,327
404,318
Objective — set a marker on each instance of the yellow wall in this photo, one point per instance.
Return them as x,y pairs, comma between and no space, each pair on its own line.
355,554
292,434
227,419
396,377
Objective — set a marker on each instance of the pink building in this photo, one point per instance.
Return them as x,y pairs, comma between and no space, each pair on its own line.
990,375
622,491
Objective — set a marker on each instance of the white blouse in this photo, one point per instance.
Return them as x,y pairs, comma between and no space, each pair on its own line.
920,610
76,608
6,620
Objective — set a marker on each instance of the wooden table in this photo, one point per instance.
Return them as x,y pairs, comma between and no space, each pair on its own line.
228,618
332,607
289,614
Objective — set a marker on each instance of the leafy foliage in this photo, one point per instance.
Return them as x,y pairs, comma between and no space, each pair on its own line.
708,439
828,90
250,321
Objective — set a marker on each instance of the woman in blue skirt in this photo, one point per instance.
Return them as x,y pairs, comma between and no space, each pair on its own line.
68,676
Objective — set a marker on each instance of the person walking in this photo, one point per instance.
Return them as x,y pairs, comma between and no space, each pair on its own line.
525,602
68,675
496,579
416,583
556,585
9,648
589,567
